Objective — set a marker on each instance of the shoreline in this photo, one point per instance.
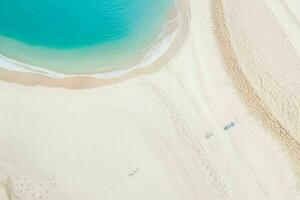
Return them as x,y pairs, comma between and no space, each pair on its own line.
158,136
166,48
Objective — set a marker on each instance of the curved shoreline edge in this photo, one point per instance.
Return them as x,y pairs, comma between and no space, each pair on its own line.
165,50
245,90
168,126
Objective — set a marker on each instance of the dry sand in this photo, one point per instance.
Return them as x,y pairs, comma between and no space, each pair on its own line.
263,63
159,135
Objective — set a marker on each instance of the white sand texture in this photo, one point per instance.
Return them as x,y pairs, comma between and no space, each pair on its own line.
218,122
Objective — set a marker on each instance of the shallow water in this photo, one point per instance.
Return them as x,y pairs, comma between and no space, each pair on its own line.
78,31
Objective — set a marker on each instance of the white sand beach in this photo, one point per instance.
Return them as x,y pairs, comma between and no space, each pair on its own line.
162,134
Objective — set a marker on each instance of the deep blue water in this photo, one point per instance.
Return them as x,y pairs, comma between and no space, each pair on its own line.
74,24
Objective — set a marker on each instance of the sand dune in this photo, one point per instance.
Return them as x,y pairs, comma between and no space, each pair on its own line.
269,62
161,135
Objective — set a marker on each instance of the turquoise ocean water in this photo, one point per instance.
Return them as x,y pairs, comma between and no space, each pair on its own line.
78,36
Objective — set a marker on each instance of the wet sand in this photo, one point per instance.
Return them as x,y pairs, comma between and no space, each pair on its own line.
89,81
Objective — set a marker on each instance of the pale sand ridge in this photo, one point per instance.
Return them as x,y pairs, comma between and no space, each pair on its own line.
263,66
